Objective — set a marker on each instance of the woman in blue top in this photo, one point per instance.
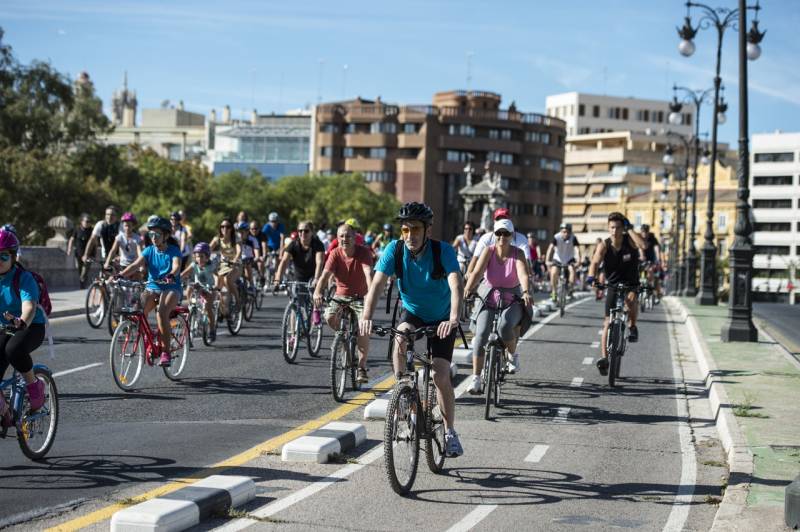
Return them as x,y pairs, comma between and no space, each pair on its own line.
19,300
163,262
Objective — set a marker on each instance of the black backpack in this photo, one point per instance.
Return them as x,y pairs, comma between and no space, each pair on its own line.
438,268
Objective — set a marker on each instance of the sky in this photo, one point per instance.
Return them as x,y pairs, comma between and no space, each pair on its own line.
280,55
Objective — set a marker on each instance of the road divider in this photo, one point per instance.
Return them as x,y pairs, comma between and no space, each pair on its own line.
319,445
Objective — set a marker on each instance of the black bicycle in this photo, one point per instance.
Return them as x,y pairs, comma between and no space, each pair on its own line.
344,350
616,343
297,322
413,415
563,287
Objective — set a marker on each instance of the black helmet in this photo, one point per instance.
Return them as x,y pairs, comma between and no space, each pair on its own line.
157,222
387,227
415,211
177,216
645,227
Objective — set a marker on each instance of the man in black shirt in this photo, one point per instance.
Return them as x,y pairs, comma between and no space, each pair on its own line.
619,255
104,233
652,254
76,245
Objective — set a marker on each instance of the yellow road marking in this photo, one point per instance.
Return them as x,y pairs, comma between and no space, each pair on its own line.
235,461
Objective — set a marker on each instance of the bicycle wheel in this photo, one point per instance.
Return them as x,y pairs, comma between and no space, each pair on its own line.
235,319
113,317
206,329
314,338
613,355
562,299
488,370
126,355
178,347
352,353
260,294
499,361
195,326
289,338
339,356
95,305
249,305
36,431
434,428
401,439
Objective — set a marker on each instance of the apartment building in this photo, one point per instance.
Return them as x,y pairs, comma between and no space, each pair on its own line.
775,200
591,113
419,152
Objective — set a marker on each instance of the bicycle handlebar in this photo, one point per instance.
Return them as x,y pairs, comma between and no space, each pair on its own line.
429,331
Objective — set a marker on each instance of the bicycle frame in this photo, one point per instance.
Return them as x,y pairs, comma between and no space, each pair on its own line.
18,387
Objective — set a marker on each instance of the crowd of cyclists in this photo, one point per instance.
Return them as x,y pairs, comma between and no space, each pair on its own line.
496,270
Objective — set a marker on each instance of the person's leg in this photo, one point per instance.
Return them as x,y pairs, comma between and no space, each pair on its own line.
233,290
167,303
483,327
554,271
633,310
509,327
444,391
398,359
18,348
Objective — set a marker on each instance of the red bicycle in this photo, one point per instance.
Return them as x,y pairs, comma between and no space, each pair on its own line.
135,343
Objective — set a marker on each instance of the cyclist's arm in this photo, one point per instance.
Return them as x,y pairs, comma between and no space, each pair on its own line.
549,256
282,245
134,266
478,271
320,258
183,241
321,285
28,311
456,240
90,247
188,270
238,256
657,250
638,240
456,299
70,243
114,249
597,258
522,275
285,258
367,269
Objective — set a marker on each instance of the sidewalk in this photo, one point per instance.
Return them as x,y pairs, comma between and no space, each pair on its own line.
762,384
67,303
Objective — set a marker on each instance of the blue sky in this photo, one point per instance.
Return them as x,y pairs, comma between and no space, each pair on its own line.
272,55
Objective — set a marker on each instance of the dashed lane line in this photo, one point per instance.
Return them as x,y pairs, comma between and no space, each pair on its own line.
576,382
588,361
595,345
537,453
562,414
75,370
473,518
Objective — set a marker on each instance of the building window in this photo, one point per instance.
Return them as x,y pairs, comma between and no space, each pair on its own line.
329,128
581,109
772,250
624,113
537,136
505,134
377,153
383,127
500,157
350,129
773,227
772,203
410,128
722,221
784,157
458,156
494,133
687,119
550,164
461,130
645,116
723,247
326,151
379,177
348,152
637,219
596,111
772,180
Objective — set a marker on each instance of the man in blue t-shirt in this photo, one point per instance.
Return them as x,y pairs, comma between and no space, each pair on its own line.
274,233
429,298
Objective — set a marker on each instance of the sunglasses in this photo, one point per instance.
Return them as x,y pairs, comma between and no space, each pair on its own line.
304,230
154,234
5,257
225,226
411,230
505,234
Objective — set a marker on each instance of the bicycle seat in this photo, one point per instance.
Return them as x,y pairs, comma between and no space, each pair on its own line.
180,309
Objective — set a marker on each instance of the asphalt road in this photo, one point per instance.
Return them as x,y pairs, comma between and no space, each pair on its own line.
781,321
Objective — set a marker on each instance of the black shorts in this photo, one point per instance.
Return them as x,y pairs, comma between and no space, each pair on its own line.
611,299
440,347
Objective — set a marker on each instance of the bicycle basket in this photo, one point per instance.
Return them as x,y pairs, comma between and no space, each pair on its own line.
130,299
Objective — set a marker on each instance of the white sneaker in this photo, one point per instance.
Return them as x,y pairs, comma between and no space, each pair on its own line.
475,385
513,364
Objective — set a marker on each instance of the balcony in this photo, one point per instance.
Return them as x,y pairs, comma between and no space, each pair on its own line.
410,140
370,112
368,165
410,165
329,139
605,155
370,140
416,113
455,142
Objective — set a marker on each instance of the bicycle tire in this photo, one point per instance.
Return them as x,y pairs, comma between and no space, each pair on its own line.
498,375
95,309
562,299
29,422
195,326
339,357
352,353
613,356
113,317
205,329
400,415
434,429
179,347
289,345
314,339
490,377
260,297
249,305
126,344
234,320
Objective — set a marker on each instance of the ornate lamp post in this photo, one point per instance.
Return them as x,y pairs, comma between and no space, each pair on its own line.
739,325
680,174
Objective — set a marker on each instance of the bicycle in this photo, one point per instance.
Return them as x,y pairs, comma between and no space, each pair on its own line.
296,322
344,351
235,312
199,319
36,431
119,297
412,416
647,295
616,343
495,359
135,343
563,287
97,298
247,293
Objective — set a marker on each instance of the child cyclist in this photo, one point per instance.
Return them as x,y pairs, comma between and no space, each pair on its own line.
163,262
128,244
202,271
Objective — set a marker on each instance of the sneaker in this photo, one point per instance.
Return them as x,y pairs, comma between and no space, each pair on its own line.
452,446
6,420
553,296
475,385
212,335
165,360
633,335
315,317
362,376
513,363
602,366
36,395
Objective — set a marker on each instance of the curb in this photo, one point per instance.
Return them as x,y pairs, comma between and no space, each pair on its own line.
376,409
740,459
317,446
66,313
186,507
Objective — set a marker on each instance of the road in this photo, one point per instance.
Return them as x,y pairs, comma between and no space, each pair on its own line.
563,452
781,321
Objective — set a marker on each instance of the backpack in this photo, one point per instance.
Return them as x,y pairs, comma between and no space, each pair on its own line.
438,269
44,295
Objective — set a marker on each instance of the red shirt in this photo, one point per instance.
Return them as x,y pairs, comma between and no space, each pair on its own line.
349,271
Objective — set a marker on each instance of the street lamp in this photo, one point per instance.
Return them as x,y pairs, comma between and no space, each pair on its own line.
681,178
739,324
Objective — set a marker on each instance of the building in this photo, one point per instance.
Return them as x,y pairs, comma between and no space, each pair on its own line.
123,106
775,200
419,152
590,113
274,145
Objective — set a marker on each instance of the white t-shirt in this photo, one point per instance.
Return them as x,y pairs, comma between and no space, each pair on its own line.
564,249
520,241
187,245
127,248
465,249
98,232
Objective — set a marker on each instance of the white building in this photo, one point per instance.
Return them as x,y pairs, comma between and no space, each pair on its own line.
591,113
775,199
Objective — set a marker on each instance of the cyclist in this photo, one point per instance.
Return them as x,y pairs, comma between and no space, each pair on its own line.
519,240
77,244
351,266
652,255
202,271
505,268
128,244
564,249
383,240
308,256
465,244
230,252
181,235
360,240
274,232
104,232
431,294
534,256
163,262
256,233
250,250
19,299
620,257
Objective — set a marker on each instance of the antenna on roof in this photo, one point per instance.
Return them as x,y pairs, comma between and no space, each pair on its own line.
469,70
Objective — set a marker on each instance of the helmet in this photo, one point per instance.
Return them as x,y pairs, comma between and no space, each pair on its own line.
645,227
502,212
388,227
176,215
352,222
202,247
415,211
566,226
531,234
10,227
157,222
243,226
273,217
128,217
8,240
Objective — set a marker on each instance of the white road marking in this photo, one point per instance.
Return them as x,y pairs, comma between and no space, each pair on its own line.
595,345
533,330
600,331
588,361
576,381
74,370
473,518
562,414
536,453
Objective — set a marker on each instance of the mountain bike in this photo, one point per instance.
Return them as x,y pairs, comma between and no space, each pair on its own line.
413,415
199,319
36,431
616,342
296,323
344,350
135,343
97,297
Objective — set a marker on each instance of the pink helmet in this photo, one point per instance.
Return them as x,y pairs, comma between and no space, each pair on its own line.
128,217
8,240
